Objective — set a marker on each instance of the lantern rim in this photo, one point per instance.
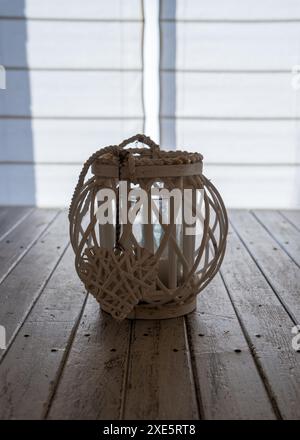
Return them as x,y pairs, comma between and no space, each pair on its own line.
146,171
140,163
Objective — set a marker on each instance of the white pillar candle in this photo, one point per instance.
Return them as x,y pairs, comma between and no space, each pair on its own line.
188,241
148,227
107,231
172,256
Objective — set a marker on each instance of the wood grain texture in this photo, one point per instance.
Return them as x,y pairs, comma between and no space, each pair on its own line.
29,371
231,359
10,216
21,238
227,379
25,283
286,235
293,216
279,269
160,383
267,327
91,386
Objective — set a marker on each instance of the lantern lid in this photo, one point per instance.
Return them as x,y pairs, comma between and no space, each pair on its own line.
146,162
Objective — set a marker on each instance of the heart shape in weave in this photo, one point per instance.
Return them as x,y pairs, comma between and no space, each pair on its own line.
117,278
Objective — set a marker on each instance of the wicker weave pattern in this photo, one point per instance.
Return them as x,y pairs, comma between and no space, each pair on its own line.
128,273
118,278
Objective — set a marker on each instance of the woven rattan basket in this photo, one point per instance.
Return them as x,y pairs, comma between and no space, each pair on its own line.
146,269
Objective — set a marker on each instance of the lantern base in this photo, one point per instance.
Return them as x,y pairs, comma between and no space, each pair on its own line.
167,311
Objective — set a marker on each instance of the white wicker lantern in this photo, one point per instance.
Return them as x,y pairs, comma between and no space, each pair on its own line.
150,265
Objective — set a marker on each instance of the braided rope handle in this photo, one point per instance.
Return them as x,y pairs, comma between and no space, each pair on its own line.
110,149
143,140
114,149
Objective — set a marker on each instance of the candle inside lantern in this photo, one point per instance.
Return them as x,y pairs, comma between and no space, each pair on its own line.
188,235
172,257
148,226
169,270
107,230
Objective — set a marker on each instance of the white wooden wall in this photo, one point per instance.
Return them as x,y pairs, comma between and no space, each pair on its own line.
226,92
74,84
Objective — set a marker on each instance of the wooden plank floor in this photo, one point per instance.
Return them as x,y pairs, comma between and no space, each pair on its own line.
231,359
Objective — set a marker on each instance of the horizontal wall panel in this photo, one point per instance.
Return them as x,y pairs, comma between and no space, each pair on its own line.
53,184
72,94
230,46
47,44
61,140
243,187
228,92
257,187
74,9
259,142
228,95
230,9
74,83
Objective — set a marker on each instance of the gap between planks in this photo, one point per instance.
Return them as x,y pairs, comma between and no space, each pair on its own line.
227,379
280,271
282,231
64,360
267,325
293,217
11,217
42,346
15,308
61,369
252,351
22,237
